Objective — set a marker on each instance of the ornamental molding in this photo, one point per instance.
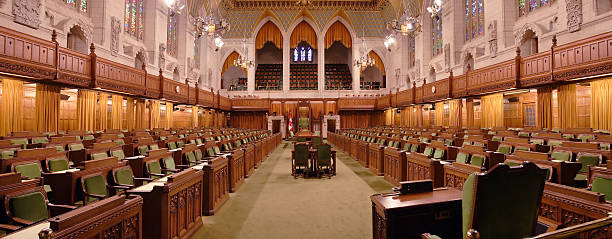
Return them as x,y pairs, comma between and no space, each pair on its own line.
574,15
520,33
115,33
27,12
306,4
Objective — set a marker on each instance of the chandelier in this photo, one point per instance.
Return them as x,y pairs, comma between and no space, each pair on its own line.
406,24
212,25
243,61
365,60
435,8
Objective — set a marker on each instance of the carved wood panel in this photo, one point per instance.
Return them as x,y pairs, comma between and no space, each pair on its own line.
356,103
496,77
26,55
117,77
175,91
152,86
591,56
206,98
459,85
405,98
436,90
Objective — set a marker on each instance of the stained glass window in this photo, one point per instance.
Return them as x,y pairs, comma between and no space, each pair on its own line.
302,54
474,19
526,6
309,54
411,54
80,5
134,21
436,30
172,33
295,54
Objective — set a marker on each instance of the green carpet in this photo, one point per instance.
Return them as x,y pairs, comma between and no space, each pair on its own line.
272,204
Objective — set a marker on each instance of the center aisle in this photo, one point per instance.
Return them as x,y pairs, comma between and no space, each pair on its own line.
272,204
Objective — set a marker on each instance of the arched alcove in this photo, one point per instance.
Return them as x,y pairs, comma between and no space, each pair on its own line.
529,43
233,77
338,57
372,78
176,75
369,82
269,57
303,52
468,62
139,60
76,40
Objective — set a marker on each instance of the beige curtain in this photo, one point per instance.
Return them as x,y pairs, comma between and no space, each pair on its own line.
140,113
492,110
11,107
303,32
601,104
269,33
117,112
456,113
154,114
86,109
103,111
439,113
194,116
544,108
568,116
337,32
129,114
169,115
47,107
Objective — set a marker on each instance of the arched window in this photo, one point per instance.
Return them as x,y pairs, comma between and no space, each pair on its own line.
436,31
474,19
172,33
134,22
80,5
302,54
526,6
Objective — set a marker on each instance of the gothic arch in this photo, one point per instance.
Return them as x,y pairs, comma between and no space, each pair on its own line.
87,28
519,34
343,22
269,17
301,19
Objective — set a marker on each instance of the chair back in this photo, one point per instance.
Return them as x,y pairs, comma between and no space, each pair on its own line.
324,154
30,170
316,141
153,167
301,154
30,205
462,157
123,175
118,153
169,163
94,184
57,164
587,159
602,184
561,155
502,197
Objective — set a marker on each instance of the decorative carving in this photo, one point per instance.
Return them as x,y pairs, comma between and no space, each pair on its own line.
447,63
131,228
27,12
115,31
493,38
519,34
417,70
162,55
113,232
574,15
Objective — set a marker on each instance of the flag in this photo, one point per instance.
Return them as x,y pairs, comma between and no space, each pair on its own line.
290,122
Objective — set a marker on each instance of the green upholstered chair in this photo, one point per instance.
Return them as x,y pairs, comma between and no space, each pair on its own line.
101,155
7,153
94,187
396,144
118,153
120,142
190,158
40,140
172,145
504,149
502,197
521,148
21,143
28,207
449,142
57,164
316,141
478,160
465,143
560,155
324,163
586,159
170,167
303,123
299,159
406,147
143,149
28,170
479,144
602,185
198,154
198,141
414,148
462,157
568,136
523,134
153,169
217,151
180,144
439,154
210,152
586,137
428,151
123,179
497,138
76,147
88,137
155,146
537,141
237,143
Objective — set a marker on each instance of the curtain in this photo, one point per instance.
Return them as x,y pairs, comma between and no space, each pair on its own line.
11,107
456,113
229,62
103,111
129,114
47,108
492,110
469,109
154,114
439,113
194,116
419,116
331,106
317,109
544,108
169,115
377,62
140,112
86,110
568,116
303,32
269,33
117,112
601,108
337,32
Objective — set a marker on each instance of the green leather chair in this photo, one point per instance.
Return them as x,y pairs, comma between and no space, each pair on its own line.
118,153
143,149
521,148
497,138
477,160
462,158
180,144
97,156
561,155
40,140
602,185
439,154
123,179
120,142
586,159
29,207
76,147
7,153
537,141
57,164
172,145
198,154
153,169
504,149
21,143
156,147
406,147
316,141
501,197
94,187
170,167
324,162
414,148
299,159
428,151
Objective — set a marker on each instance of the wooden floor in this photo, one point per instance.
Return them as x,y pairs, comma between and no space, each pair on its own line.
272,204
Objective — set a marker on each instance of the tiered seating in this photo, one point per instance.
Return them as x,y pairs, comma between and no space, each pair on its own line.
369,85
240,86
269,77
338,77
303,77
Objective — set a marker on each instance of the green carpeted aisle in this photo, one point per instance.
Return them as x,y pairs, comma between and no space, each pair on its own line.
272,204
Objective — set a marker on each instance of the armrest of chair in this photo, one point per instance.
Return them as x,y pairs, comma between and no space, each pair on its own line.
9,228
165,170
157,174
121,186
143,179
57,209
22,221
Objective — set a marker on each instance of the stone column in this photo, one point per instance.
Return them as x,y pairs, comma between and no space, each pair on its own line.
321,64
286,63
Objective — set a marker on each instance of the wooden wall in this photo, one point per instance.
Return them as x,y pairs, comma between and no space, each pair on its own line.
182,118
361,119
583,106
68,111
249,120
514,112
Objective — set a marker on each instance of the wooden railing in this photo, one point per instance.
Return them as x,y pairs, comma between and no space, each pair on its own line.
572,231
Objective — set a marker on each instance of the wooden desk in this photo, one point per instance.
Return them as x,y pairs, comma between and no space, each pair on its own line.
395,165
249,159
216,186
376,158
172,205
362,153
235,163
305,134
420,167
408,216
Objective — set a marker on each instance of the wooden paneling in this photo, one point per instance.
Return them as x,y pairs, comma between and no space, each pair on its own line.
357,104
437,90
152,86
181,118
206,98
496,77
360,119
26,55
331,107
583,106
586,57
74,68
536,69
251,104
459,86
225,103
118,77
174,91
316,109
383,102
405,98
249,120
68,111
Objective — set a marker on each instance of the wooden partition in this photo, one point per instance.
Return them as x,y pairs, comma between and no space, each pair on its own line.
420,167
376,158
235,162
216,185
394,165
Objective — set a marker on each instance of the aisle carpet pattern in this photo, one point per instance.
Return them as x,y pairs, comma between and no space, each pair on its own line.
272,204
